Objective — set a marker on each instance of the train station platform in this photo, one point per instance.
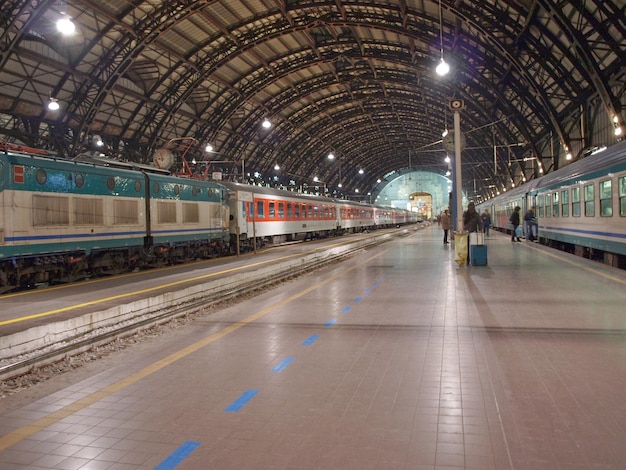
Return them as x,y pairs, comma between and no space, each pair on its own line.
397,358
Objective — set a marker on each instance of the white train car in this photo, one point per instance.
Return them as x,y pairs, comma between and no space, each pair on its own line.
580,208
270,215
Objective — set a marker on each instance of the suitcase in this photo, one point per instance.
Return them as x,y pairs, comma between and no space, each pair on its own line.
478,255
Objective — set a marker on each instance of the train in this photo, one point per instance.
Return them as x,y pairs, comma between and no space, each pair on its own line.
65,220
580,208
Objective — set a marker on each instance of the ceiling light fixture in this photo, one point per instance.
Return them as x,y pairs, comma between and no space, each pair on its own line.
443,68
53,104
266,123
65,26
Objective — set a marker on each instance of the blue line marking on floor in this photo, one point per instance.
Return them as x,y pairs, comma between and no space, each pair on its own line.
282,365
358,299
367,291
346,309
375,284
241,401
310,340
178,456
330,322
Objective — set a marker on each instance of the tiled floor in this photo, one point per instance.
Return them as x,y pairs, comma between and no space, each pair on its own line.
396,359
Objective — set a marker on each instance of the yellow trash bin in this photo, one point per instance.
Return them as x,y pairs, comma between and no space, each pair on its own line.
461,248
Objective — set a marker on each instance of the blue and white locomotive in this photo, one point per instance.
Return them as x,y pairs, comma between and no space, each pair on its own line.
62,220
580,208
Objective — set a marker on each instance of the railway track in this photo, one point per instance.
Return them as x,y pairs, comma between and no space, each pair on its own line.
74,343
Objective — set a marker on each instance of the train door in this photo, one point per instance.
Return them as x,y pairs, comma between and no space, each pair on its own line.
241,222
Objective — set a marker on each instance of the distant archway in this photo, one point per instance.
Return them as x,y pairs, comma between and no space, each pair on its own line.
422,203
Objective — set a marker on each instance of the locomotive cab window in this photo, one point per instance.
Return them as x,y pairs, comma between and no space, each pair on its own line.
606,198
576,202
590,203
622,195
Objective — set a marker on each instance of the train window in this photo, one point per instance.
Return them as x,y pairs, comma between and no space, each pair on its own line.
289,210
541,211
606,198
281,210
576,202
565,203
590,208
271,210
195,191
50,210
622,195
260,209
88,211
548,206
137,184
304,211
555,204
191,213
316,212
310,211
111,183
125,212
156,188
166,212
297,211
176,189
79,180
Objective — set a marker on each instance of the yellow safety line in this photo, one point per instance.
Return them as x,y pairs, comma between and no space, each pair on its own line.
40,424
150,289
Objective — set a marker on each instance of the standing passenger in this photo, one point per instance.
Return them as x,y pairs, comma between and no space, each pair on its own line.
486,218
446,225
515,221
530,224
471,219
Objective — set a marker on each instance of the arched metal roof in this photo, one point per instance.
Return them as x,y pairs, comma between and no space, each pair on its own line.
352,77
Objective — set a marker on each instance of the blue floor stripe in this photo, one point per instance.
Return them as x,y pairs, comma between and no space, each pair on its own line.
346,309
358,299
177,456
367,291
330,322
310,340
283,364
241,401
375,284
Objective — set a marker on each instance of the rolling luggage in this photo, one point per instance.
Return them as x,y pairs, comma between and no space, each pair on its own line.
478,250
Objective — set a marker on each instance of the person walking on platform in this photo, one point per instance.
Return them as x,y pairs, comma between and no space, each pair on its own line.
486,218
471,219
515,219
530,224
446,225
